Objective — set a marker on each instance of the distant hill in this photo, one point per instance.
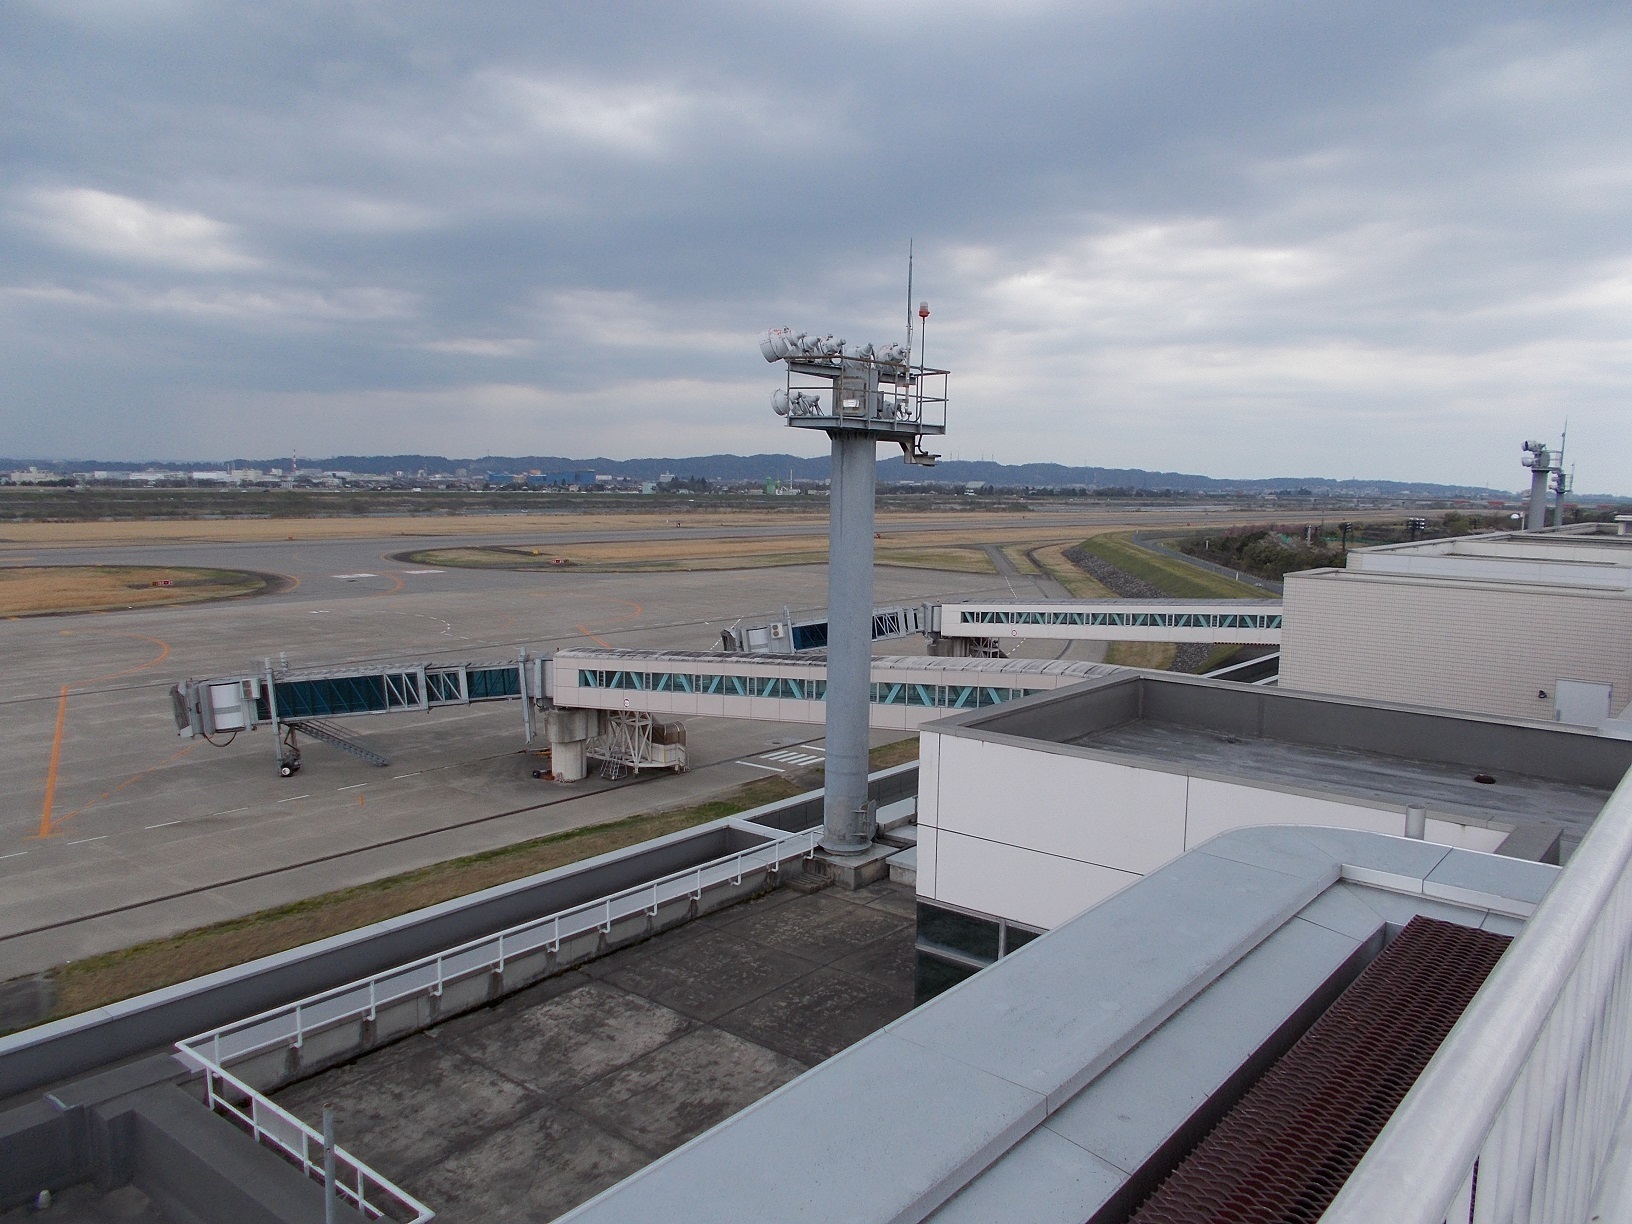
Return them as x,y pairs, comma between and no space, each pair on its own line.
758,467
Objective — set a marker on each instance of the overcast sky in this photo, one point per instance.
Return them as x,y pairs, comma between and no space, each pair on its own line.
1249,239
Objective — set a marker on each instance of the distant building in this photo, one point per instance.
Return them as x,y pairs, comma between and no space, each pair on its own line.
1534,625
33,475
561,480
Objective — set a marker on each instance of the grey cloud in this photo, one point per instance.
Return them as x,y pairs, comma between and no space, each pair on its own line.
1382,239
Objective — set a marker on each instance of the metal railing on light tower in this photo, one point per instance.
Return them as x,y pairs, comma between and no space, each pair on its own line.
859,396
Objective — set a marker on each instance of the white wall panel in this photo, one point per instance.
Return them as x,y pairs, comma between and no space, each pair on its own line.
1219,806
998,823
928,843
1026,886
1117,815
929,779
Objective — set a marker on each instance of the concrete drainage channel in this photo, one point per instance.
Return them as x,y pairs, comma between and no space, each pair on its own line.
244,1032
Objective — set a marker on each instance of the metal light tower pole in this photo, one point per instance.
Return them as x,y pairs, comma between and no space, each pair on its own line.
1561,482
1540,462
859,396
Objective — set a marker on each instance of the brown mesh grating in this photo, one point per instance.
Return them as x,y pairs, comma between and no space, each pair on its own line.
1286,1147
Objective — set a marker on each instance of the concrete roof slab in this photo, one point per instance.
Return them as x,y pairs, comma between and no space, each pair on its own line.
1311,848
1490,874
1147,951
1131,1110
890,1164
1343,909
1045,1179
1398,908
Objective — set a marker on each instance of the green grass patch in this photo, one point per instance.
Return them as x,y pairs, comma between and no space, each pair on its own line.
1167,575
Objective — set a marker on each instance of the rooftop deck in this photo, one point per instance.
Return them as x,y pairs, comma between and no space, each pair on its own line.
523,1110
1444,785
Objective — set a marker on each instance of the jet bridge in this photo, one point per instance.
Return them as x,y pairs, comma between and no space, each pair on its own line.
789,636
1244,621
615,707
305,702
979,629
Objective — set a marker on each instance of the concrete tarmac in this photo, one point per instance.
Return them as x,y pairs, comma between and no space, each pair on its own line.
115,831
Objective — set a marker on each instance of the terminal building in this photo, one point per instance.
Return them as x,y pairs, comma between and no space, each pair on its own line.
1355,948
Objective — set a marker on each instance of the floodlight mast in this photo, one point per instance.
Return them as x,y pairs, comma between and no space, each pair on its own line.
1543,464
859,396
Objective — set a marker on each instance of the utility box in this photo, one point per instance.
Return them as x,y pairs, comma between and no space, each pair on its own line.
1581,703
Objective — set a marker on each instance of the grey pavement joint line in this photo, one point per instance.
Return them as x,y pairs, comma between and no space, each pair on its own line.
327,858
564,1099
311,862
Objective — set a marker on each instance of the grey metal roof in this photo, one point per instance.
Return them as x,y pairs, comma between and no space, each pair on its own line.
1034,1090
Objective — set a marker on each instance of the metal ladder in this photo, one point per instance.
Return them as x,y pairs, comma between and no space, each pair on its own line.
328,733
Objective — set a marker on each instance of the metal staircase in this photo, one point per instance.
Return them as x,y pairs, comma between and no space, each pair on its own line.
328,733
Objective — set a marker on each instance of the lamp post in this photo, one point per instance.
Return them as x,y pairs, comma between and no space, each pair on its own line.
859,396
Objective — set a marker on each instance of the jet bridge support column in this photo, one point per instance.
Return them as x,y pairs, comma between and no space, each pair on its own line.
570,732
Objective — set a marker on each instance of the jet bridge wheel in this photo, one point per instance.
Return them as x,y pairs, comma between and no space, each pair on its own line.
288,754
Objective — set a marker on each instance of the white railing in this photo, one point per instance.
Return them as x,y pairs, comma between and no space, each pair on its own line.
354,1182
291,1024
368,1191
1515,1118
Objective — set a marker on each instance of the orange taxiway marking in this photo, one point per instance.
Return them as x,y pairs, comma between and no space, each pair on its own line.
56,759
48,824
638,611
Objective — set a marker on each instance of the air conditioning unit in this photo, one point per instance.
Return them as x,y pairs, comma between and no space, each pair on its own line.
779,630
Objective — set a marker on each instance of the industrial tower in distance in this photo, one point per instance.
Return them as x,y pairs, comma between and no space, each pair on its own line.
859,396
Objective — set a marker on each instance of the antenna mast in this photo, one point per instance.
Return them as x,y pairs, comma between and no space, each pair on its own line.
909,298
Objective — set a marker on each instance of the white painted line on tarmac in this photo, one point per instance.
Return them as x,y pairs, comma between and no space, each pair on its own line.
755,765
14,854
83,840
232,811
163,824
353,786
415,774
792,758
424,571
292,798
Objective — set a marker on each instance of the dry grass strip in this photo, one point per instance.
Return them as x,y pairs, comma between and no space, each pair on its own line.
1051,559
370,527
37,590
